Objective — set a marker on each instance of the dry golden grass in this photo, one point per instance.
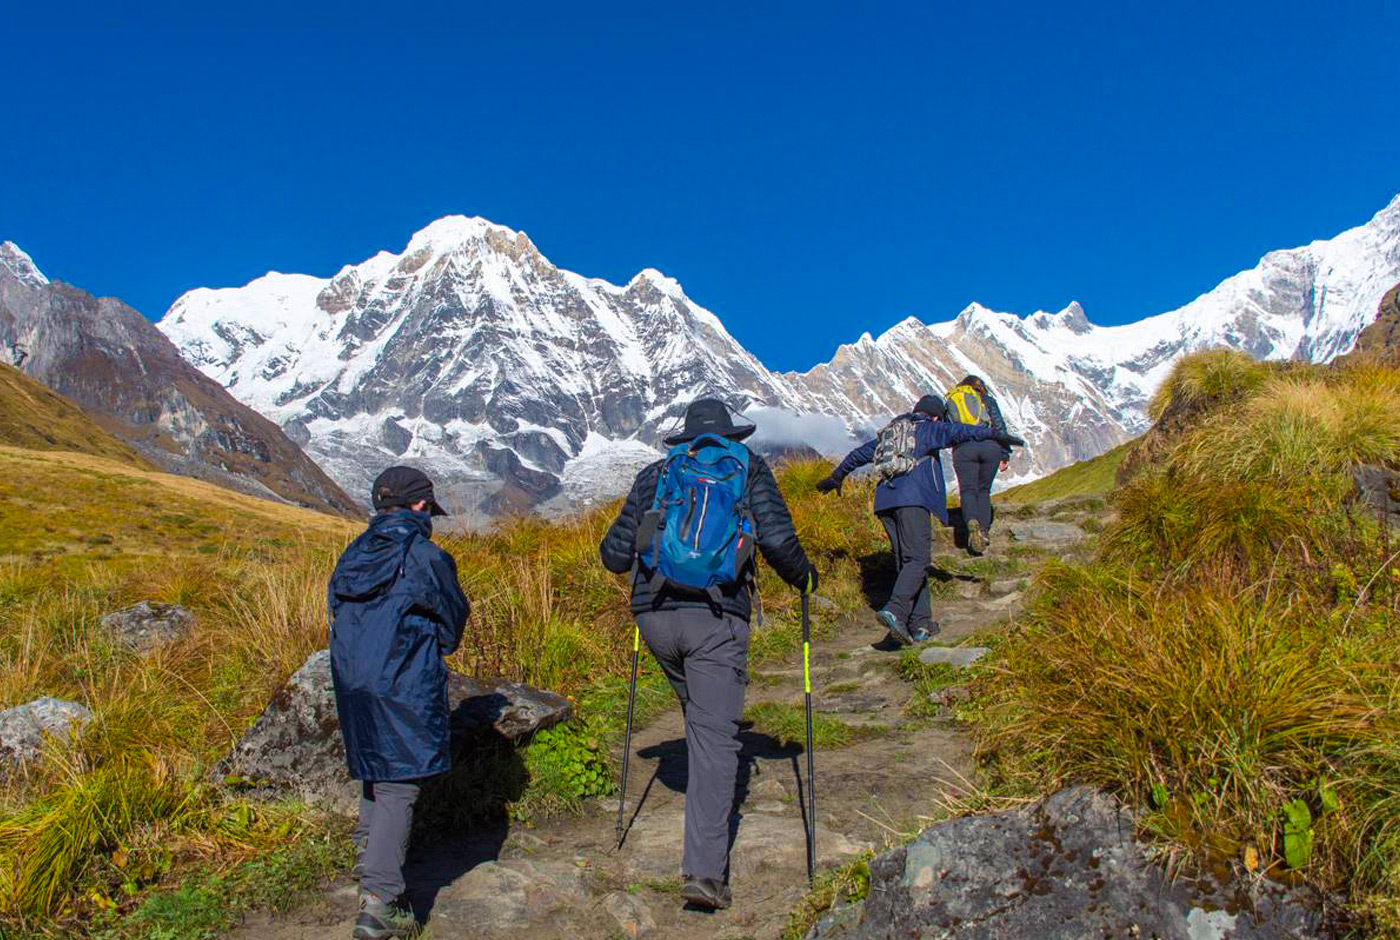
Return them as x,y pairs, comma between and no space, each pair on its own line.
81,535
1231,651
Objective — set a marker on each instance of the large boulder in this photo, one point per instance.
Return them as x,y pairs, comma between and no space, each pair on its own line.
147,625
295,745
1063,869
24,727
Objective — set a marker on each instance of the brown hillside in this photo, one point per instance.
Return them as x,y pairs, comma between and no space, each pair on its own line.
36,417
1381,340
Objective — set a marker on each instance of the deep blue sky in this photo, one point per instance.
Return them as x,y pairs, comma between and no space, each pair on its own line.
807,173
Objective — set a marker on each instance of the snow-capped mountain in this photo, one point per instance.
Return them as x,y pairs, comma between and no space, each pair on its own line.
468,353
519,383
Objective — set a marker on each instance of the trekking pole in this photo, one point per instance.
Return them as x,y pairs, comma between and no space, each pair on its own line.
811,762
627,745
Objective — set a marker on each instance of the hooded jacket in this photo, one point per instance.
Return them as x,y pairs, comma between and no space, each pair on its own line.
924,485
777,541
396,609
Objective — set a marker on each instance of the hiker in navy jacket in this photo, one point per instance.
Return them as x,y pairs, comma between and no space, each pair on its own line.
396,610
903,504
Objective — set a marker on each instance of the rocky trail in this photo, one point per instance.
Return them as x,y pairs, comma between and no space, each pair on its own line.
567,877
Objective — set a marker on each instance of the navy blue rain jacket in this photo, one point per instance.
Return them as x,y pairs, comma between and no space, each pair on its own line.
396,609
924,485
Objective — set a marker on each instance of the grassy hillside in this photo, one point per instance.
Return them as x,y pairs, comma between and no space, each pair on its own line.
95,829
34,416
1227,661
1093,477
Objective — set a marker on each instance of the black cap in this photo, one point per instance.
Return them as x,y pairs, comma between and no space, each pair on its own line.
402,487
932,406
709,416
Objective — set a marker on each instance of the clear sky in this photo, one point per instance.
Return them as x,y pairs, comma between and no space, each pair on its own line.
808,172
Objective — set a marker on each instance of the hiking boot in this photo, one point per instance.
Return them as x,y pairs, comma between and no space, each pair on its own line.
890,622
706,892
381,921
976,539
922,635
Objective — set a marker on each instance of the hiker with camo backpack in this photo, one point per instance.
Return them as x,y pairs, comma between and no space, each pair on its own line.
911,486
687,534
976,462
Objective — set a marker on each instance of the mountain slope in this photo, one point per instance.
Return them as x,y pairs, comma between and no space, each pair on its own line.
518,382
38,418
116,365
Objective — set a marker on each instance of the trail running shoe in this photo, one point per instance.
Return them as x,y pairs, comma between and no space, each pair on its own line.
707,892
922,635
976,539
380,921
890,622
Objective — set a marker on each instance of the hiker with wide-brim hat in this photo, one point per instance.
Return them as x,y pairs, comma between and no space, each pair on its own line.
910,490
396,610
709,416
702,509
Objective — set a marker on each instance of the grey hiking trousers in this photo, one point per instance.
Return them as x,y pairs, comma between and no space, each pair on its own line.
381,835
705,657
910,531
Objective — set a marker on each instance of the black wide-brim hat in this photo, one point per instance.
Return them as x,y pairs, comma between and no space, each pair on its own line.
402,487
709,416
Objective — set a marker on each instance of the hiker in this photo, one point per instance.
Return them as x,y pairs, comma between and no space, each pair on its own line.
905,454
396,610
700,635
976,462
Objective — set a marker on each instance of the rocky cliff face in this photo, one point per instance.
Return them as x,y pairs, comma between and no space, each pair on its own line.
1381,339
521,384
113,362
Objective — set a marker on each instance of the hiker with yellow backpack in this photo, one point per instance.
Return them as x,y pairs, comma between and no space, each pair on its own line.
976,462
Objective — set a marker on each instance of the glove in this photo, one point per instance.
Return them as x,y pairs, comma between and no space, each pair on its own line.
829,484
1009,440
810,587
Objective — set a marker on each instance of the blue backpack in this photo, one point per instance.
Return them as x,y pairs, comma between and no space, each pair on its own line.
698,535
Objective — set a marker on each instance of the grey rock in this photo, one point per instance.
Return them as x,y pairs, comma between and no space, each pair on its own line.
24,727
1005,602
1066,868
967,589
633,916
1379,491
825,604
959,657
295,745
1006,586
1054,533
147,625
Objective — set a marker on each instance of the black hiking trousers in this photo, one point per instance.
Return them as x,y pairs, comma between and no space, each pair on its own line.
910,531
976,465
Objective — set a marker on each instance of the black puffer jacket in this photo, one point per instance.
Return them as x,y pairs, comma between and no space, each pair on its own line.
777,540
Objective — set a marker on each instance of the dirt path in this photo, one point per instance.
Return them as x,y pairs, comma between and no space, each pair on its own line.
567,878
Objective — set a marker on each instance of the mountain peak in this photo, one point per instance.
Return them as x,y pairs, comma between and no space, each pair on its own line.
667,285
458,229
19,264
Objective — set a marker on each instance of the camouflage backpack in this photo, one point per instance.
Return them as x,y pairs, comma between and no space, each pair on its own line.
896,448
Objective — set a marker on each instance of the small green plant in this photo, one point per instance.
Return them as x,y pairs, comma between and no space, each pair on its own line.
569,764
845,885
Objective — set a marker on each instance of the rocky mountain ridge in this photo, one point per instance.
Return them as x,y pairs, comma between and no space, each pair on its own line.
522,384
125,374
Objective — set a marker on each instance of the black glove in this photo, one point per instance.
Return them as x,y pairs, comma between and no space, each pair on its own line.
810,587
829,484
1009,440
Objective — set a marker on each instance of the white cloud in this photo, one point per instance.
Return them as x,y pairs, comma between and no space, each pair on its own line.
827,434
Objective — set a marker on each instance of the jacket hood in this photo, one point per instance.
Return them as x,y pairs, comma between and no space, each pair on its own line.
373,561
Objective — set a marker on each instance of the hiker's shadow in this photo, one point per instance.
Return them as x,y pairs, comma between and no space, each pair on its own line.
672,771
461,818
